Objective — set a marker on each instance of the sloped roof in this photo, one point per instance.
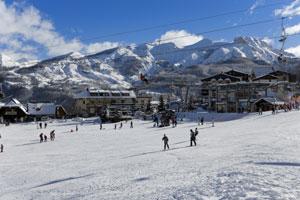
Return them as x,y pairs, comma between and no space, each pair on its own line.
14,103
41,108
87,94
222,76
278,73
236,72
267,76
270,100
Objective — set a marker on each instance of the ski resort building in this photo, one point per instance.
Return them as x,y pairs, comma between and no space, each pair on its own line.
142,102
93,102
235,91
45,110
13,111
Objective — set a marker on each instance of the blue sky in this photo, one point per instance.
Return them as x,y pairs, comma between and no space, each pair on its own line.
71,23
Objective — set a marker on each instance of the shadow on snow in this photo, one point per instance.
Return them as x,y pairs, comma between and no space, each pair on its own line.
288,164
153,152
62,180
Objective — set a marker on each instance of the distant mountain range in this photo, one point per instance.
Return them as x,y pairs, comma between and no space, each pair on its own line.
121,66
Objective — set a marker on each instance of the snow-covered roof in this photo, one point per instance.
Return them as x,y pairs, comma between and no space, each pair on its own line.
41,108
271,100
14,103
99,94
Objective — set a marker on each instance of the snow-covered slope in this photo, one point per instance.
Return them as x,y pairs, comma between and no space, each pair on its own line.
232,160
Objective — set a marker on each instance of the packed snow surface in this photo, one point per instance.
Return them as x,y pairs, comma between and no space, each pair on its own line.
253,157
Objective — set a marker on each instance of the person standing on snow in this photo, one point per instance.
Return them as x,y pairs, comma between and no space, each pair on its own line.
1,148
45,138
196,131
166,140
121,125
202,120
41,138
131,124
193,138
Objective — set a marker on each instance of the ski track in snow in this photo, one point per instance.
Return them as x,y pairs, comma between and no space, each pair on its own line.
255,157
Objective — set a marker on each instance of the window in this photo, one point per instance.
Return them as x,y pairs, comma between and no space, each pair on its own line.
125,94
116,94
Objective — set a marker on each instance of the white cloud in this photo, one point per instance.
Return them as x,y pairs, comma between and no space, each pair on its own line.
97,47
180,38
294,50
23,31
255,5
293,29
269,41
290,10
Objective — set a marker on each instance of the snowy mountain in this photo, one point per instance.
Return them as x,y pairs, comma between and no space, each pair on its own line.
121,66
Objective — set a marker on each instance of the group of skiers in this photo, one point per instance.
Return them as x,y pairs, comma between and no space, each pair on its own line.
44,138
40,125
120,126
193,135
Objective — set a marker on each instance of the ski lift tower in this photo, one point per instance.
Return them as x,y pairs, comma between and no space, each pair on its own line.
281,58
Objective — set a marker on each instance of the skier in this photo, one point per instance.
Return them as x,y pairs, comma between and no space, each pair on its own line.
115,126
202,120
100,122
259,111
41,137
131,124
196,131
45,138
121,125
193,138
41,125
52,135
1,148
45,125
166,140
76,128
273,110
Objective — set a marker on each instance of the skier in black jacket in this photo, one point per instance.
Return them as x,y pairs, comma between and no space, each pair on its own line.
193,138
166,140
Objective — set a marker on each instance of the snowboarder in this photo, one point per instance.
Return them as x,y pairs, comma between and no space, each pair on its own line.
166,140
131,124
41,137
202,121
1,148
45,138
193,138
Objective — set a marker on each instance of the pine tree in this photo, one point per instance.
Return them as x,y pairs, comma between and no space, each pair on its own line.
161,105
148,106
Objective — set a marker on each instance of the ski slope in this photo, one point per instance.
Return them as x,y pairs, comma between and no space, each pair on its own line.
254,157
